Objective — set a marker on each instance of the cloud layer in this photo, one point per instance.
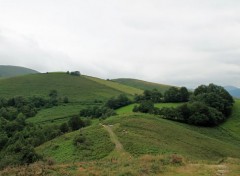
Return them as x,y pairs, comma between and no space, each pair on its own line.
174,42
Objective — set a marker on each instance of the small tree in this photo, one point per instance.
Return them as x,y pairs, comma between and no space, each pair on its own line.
75,123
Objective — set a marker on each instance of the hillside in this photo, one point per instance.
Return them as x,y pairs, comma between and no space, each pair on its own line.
76,88
140,84
149,142
11,71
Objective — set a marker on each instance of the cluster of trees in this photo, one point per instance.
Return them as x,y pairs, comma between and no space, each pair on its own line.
150,95
172,95
175,95
107,109
18,137
74,123
20,106
74,73
118,102
208,106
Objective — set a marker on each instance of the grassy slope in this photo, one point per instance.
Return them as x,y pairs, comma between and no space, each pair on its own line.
233,123
77,88
144,85
10,71
121,87
62,149
57,114
146,134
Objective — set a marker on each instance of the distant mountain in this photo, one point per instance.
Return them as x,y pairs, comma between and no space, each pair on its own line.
234,91
11,71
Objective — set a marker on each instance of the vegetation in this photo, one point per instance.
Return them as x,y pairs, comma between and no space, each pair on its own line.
143,85
118,86
150,95
97,112
120,101
76,88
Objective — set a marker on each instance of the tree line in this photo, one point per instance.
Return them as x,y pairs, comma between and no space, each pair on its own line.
207,106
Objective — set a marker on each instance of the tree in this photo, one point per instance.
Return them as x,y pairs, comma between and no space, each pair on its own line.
75,123
64,128
172,95
184,94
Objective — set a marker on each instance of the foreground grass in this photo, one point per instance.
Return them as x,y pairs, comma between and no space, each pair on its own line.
62,149
146,134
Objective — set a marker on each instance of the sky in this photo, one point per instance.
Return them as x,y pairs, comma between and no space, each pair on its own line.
183,43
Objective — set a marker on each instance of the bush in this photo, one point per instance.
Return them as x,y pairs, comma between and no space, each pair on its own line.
120,101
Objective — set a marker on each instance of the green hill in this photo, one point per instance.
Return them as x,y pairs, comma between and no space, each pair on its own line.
11,71
76,88
147,134
143,85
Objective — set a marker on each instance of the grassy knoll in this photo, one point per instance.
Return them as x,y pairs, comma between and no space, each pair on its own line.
121,87
62,149
129,108
145,134
144,85
76,88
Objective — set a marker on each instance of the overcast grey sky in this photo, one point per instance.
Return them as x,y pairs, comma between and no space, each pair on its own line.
179,42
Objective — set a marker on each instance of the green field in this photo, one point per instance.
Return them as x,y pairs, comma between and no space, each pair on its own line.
57,114
10,71
76,88
144,85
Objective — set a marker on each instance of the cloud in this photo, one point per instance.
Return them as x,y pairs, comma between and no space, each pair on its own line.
174,42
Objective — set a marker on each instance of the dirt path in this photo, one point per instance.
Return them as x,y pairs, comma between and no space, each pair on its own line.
222,170
114,138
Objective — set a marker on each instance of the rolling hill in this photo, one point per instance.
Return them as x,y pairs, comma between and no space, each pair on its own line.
11,71
140,84
76,88
149,142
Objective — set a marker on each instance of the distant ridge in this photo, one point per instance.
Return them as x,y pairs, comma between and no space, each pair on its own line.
234,91
11,71
143,85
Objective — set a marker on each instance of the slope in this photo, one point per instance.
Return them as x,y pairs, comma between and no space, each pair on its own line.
76,88
11,71
144,85
121,87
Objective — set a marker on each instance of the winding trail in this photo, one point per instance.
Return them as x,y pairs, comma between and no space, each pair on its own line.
114,138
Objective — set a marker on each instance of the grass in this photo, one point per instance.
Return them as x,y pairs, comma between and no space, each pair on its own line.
76,88
143,85
57,114
233,123
146,134
62,149
121,87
